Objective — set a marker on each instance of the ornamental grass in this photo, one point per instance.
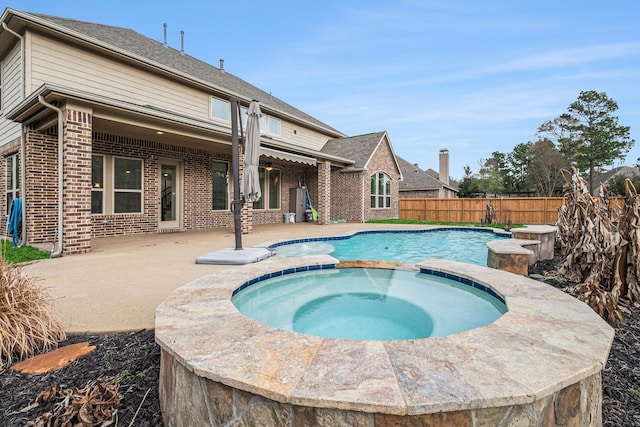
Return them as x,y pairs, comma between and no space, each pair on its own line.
27,326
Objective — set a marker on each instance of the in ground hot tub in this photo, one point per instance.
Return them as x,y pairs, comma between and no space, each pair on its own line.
540,363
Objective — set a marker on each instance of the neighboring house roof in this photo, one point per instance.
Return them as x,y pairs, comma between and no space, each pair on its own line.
606,176
360,148
137,47
417,179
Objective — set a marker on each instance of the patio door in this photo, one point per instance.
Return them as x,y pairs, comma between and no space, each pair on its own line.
170,207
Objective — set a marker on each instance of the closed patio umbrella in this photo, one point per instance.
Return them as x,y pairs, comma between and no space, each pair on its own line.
250,178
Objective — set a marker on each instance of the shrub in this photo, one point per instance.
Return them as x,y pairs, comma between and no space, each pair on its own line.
27,326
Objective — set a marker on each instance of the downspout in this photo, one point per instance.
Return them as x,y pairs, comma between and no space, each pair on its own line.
23,140
42,101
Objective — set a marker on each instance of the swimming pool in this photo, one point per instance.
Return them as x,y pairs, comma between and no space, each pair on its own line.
369,304
455,244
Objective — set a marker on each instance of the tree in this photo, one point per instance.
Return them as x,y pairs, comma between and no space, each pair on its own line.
545,165
492,173
558,132
596,138
519,160
469,185
617,183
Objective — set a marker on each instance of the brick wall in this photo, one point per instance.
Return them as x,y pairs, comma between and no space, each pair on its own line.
81,225
383,161
346,197
292,175
41,202
197,193
324,193
76,236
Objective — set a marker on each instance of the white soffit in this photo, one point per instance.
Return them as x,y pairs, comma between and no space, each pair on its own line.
277,154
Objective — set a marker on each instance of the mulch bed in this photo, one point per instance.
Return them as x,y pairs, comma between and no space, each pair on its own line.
134,358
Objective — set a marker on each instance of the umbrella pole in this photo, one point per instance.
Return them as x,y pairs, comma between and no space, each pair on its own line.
237,203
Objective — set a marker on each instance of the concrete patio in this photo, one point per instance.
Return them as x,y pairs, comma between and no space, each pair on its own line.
118,285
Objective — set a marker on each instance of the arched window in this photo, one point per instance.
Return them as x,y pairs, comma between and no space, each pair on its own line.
380,191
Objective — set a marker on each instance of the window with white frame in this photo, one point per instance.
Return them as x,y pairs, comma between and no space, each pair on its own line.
270,186
380,191
220,185
13,173
116,185
274,126
220,109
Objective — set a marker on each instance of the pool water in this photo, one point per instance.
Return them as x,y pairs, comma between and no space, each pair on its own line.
368,304
402,246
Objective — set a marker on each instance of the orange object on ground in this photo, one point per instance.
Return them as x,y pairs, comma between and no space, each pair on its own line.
53,360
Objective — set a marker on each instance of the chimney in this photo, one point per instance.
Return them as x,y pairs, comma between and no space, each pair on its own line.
222,65
182,42
165,34
443,173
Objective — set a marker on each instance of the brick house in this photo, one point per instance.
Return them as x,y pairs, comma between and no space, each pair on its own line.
106,132
422,184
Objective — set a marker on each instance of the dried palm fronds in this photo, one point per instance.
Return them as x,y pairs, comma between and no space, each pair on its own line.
490,214
94,405
26,322
628,256
600,244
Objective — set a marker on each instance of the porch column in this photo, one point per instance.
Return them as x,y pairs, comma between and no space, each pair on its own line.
324,192
76,219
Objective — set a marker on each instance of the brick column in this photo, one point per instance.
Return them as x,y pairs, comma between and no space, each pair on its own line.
324,192
246,214
76,220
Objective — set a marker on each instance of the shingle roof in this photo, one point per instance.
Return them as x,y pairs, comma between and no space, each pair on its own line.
606,176
357,148
415,178
129,41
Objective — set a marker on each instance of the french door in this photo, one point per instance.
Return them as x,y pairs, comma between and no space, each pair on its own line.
170,207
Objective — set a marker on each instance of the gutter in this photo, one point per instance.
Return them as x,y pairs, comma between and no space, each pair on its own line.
58,251
23,139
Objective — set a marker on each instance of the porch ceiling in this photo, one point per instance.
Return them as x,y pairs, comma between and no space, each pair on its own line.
170,135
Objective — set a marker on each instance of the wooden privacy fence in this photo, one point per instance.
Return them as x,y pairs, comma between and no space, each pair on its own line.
520,210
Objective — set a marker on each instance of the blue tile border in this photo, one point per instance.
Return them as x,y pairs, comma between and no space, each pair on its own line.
282,273
315,267
465,281
430,230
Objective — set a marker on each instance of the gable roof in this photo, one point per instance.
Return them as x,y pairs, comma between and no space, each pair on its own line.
606,176
141,49
416,178
360,149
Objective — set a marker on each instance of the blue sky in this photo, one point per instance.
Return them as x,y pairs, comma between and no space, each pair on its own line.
470,76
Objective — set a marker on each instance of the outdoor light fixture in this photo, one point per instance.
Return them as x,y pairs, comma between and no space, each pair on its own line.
159,132
268,166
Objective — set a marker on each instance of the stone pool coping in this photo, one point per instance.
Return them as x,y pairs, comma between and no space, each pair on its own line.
547,341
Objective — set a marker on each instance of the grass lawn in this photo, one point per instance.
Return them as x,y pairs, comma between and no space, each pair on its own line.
13,255
464,224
